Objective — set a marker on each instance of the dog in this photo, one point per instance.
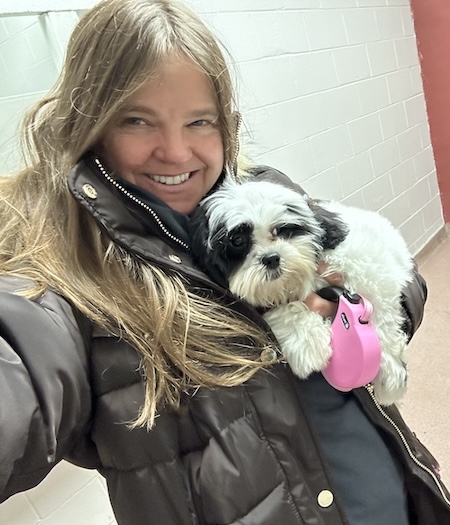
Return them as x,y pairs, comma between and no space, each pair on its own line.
264,241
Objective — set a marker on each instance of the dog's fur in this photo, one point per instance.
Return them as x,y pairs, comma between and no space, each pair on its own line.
264,241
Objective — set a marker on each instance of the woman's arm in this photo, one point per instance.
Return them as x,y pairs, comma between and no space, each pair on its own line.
45,398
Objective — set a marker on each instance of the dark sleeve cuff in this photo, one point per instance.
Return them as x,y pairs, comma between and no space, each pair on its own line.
413,301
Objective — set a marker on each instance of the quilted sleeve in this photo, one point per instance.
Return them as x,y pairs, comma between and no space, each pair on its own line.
45,399
413,301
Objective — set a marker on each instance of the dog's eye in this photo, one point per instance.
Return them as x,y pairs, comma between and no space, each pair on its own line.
237,240
287,231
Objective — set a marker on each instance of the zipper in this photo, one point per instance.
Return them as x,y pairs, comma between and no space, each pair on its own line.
161,225
234,165
156,218
147,208
369,387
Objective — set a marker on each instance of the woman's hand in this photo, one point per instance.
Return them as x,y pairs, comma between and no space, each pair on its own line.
316,303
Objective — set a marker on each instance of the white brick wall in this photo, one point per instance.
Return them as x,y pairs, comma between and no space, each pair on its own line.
30,58
26,68
330,92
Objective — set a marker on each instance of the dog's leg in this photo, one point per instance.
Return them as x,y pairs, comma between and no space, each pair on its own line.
390,383
304,337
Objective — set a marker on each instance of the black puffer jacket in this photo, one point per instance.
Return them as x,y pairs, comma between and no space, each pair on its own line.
242,455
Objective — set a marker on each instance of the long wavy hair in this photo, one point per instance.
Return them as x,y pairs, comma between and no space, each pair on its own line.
185,340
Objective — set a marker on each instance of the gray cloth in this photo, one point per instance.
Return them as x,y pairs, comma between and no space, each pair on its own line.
367,479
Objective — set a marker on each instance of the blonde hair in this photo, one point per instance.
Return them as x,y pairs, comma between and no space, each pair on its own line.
113,50
184,340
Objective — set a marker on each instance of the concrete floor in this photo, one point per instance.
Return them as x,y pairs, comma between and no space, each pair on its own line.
425,405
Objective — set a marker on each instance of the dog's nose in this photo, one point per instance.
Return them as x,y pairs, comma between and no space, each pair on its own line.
272,261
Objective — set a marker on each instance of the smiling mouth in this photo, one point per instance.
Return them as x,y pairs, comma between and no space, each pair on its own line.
171,180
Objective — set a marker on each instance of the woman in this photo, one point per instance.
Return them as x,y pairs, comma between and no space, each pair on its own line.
118,354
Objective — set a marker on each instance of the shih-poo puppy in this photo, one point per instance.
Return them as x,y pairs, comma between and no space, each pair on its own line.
264,241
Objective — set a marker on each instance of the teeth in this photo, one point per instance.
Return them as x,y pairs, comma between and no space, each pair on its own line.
171,181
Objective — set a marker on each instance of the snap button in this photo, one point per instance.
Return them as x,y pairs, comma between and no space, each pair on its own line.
90,191
175,258
268,355
325,498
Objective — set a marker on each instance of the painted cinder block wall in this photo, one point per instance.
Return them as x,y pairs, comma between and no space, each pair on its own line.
432,22
331,92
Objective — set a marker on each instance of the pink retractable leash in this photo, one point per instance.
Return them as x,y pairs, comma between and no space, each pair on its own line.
356,356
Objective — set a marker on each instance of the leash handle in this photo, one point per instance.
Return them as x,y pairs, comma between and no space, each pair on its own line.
333,293
356,348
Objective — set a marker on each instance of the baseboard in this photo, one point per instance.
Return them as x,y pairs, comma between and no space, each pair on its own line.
433,243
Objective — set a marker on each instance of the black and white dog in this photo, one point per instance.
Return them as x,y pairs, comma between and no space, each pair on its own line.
264,241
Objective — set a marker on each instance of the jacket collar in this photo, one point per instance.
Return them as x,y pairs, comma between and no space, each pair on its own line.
138,228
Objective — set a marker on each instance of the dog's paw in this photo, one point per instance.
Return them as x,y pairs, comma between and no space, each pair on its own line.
303,335
308,360
390,383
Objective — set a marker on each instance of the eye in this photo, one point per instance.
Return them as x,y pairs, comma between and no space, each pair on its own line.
237,240
208,119
286,231
134,121
209,123
199,123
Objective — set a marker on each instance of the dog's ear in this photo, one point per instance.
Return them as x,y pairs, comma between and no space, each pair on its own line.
198,233
205,259
335,229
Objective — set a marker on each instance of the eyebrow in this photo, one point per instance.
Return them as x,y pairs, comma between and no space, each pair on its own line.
207,111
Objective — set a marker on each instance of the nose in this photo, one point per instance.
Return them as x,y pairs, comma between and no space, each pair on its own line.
172,147
272,261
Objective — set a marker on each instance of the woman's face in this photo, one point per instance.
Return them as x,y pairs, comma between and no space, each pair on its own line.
166,140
